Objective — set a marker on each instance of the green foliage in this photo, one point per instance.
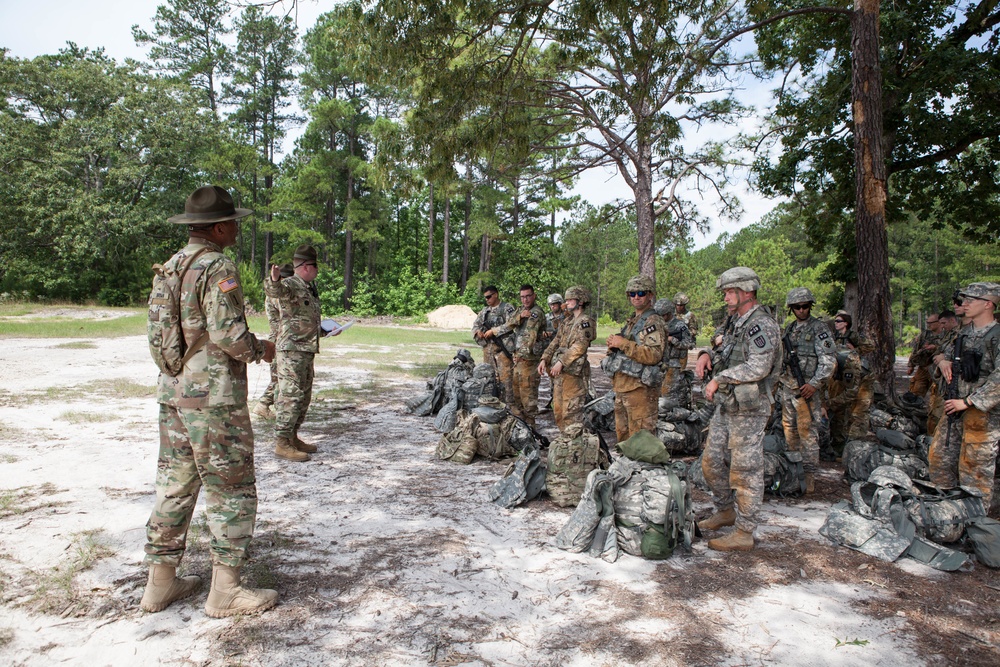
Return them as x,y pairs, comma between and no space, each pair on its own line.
417,293
253,286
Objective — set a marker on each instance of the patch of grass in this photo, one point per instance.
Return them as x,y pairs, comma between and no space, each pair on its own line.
6,636
54,590
77,417
852,642
120,388
426,369
22,499
76,345
366,389
8,458
65,327
9,432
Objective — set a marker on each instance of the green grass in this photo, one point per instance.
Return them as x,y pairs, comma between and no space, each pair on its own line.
76,345
120,388
54,590
64,327
77,417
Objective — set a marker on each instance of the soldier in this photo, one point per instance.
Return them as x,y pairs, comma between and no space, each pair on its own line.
935,397
850,388
922,356
527,325
264,408
633,362
565,360
964,449
745,369
809,360
498,346
298,344
554,317
205,433
675,350
681,312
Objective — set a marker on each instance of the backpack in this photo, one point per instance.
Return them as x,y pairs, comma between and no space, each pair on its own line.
784,474
163,327
572,456
591,528
862,457
524,480
459,445
984,535
653,512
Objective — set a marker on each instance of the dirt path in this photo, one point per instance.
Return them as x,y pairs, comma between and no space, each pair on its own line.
384,555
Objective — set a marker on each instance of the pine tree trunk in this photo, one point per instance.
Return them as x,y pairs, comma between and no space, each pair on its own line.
465,237
430,232
645,227
446,245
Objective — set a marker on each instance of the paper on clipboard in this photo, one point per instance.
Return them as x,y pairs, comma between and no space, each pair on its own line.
334,328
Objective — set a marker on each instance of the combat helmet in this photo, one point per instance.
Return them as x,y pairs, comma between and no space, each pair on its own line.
640,283
554,299
799,295
664,307
581,294
739,277
681,299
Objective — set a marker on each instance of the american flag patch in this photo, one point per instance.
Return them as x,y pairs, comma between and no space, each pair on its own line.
228,284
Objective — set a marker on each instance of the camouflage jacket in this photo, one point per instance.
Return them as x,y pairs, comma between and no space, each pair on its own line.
495,319
984,392
300,313
816,351
528,341
921,357
673,352
570,345
689,320
643,344
273,317
217,373
552,324
750,351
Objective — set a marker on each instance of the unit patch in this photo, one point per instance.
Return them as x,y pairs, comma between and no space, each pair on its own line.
585,325
650,329
227,285
760,342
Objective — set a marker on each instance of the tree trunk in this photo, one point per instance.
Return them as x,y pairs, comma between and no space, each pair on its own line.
430,232
445,246
484,254
645,227
349,237
465,233
871,237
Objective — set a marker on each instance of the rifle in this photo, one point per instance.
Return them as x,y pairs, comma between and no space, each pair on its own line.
952,390
792,358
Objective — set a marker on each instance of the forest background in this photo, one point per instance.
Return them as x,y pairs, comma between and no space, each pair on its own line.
440,142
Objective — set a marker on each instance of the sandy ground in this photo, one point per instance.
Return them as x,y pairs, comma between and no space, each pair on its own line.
384,555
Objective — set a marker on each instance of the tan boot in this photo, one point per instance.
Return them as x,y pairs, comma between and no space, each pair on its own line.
738,540
263,411
228,598
163,587
303,446
810,483
283,449
726,517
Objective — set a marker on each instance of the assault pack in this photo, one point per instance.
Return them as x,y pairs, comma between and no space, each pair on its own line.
571,458
163,327
442,389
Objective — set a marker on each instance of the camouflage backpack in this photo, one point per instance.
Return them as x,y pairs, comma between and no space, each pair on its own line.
523,480
591,528
459,445
163,327
862,457
653,512
571,458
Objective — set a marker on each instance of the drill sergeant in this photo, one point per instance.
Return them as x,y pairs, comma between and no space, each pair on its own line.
964,449
675,350
565,360
528,324
809,360
633,362
496,341
745,368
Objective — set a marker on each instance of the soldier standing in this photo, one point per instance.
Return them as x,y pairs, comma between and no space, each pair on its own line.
298,344
554,317
528,324
850,388
205,433
497,347
681,312
633,362
809,360
675,350
922,356
565,360
935,397
745,369
264,408
964,449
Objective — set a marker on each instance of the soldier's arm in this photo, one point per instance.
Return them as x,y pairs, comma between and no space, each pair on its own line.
826,357
765,346
509,324
650,350
685,339
276,289
532,331
576,347
225,320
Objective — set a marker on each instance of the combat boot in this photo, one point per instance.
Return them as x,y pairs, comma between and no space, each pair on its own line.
263,411
726,517
228,598
738,540
284,449
810,483
164,587
303,446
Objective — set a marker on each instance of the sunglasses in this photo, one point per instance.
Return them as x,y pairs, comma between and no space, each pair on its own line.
840,321
970,299
632,295
801,306
489,296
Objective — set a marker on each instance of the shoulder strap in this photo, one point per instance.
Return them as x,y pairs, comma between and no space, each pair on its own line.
203,336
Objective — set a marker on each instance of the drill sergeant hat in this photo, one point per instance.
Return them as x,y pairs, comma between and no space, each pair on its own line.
739,277
304,254
987,291
209,204
799,295
640,283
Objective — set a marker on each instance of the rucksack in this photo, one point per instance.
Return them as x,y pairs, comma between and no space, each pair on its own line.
524,480
591,528
984,535
862,457
167,345
784,474
653,512
571,458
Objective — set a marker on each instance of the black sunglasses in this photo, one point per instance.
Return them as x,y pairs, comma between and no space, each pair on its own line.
840,321
801,306
489,296
632,295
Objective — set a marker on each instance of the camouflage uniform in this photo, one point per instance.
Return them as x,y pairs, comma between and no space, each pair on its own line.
800,418
528,347
569,389
205,433
498,352
677,342
745,367
935,397
921,360
297,346
965,452
636,400
850,391
273,321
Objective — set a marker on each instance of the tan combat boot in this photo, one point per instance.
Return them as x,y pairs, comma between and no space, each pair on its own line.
163,587
303,446
738,540
283,449
810,482
263,411
228,598
726,517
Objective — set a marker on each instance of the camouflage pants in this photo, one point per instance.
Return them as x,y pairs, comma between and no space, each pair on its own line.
733,463
967,457
800,421
849,421
504,366
267,398
295,382
669,378
569,395
935,408
920,381
210,447
525,387
636,410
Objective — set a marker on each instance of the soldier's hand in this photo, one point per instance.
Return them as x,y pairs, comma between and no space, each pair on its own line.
268,351
807,391
710,390
556,369
488,334
515,358
615,341
525,313
704,364
541,367
945,368
275,273
717,341
953,405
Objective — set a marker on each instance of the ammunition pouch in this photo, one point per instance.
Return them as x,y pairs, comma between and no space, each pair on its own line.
970,365
747,396
617,362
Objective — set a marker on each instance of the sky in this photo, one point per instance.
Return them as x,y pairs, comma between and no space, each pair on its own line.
37,27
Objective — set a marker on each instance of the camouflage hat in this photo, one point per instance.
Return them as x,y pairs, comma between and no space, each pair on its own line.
799,295
640,283
305,253
209,204
891,476
681,299
663,307
581,294
463,355
987,291
554,298
739,277
286,270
